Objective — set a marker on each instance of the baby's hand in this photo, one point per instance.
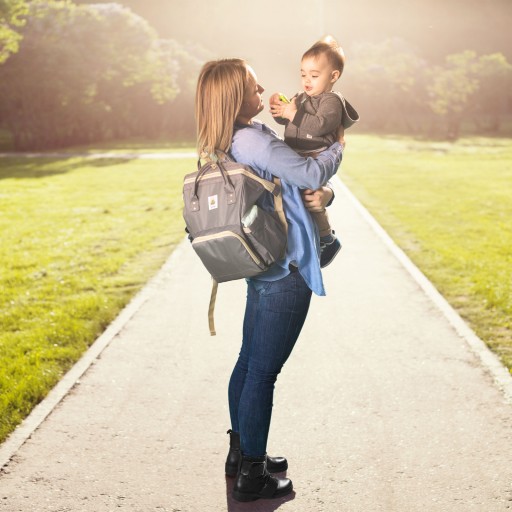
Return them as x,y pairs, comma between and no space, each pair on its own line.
274,99
280,108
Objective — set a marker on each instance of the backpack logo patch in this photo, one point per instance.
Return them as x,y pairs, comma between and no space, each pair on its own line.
213,202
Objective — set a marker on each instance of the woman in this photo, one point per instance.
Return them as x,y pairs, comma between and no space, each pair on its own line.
228,97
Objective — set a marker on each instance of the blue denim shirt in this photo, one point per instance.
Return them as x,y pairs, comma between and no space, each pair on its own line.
261,148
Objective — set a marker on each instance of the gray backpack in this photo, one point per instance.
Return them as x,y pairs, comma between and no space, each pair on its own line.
232,235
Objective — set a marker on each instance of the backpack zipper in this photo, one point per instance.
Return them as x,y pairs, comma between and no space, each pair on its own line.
222,234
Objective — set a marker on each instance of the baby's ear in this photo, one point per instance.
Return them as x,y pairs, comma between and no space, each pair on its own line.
335,75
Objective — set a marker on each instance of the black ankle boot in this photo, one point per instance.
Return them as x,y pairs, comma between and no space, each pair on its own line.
274,464
233,458
253,481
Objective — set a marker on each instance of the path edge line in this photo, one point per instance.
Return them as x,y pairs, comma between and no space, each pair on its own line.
489,360
43,409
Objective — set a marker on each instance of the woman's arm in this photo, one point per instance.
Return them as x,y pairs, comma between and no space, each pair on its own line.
264,151
311,173
317,200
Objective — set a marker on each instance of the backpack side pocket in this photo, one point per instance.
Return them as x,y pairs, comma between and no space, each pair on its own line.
266,234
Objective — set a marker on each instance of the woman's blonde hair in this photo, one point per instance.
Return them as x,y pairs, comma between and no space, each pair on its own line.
219,96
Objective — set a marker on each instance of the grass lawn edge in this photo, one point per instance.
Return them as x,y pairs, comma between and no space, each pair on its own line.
499,372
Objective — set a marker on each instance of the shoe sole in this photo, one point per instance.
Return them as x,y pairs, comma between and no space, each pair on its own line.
244,497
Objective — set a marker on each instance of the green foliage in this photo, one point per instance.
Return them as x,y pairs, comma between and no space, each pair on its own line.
451,87
180,119
454,88
493,97
12,14
79,238
395,90
472,87
87,73
387,84
448,206
391,64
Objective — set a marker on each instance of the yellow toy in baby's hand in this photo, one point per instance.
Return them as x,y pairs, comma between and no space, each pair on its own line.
283,98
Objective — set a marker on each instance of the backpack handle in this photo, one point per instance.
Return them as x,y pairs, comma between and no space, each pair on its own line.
212,164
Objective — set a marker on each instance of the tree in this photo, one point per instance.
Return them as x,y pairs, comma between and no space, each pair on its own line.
451,88
471,88
493,97
12,14
387,85
179,115
83,73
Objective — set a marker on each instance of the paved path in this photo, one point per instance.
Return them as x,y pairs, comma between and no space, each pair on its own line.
387,404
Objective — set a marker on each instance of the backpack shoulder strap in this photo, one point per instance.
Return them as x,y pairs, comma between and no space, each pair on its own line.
211,307
278,204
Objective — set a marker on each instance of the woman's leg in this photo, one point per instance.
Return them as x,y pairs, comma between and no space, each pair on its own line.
275,314
237,380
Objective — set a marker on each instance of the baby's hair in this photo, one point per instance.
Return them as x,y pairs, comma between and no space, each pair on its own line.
331,49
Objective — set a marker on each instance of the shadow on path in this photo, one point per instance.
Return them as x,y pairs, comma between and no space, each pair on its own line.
22,168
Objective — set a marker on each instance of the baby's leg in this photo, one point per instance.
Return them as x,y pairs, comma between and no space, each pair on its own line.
329,243
321,219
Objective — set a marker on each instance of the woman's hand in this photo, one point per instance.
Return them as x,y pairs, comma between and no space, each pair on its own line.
317,200
341,135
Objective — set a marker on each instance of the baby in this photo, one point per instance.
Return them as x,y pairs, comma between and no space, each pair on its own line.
313,117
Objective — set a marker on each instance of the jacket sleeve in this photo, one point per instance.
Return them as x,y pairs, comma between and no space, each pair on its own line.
326,119
267,153
281,120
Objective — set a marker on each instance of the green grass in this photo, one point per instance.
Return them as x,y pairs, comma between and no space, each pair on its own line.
78,239
133,145
449,207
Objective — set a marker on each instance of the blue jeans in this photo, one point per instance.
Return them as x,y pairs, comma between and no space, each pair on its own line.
274,316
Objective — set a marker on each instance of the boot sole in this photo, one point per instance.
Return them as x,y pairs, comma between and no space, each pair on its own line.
241,496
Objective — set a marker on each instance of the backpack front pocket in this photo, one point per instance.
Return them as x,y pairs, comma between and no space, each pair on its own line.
227,255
